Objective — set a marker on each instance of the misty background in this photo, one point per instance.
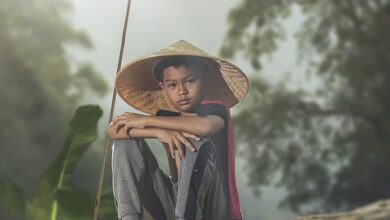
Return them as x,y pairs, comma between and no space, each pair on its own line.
312,135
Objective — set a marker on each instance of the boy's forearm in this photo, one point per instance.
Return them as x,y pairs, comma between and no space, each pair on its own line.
192,124
134,133
149,132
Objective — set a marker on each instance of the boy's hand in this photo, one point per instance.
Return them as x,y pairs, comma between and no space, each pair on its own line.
176,140
122,134
129,120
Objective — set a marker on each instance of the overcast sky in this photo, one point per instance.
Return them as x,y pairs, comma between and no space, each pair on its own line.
154,25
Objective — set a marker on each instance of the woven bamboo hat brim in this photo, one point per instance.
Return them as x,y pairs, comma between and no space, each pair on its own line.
137,85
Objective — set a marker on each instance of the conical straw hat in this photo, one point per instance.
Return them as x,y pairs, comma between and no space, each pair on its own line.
136,84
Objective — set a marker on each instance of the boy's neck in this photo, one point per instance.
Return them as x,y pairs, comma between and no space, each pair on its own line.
192,111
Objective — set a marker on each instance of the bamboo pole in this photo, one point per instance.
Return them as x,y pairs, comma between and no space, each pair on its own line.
107,140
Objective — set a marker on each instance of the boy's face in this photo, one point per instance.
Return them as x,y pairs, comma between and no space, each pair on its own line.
183,87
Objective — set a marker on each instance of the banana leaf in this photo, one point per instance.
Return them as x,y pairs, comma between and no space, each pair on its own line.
81,133
74,204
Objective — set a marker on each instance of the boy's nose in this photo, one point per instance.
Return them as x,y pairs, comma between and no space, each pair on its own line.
182,90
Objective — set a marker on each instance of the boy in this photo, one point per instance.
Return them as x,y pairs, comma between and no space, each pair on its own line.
176,85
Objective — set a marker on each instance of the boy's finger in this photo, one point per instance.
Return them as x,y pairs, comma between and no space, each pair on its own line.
188,143
127,127
119,125
116,122
117,118
116,126
179,148
188,135
171,149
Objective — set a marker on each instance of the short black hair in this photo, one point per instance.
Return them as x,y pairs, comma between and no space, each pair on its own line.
176,61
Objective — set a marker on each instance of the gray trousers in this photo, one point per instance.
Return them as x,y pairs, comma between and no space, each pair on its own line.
138,181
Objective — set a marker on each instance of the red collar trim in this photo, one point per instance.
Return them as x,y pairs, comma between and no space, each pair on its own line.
235,210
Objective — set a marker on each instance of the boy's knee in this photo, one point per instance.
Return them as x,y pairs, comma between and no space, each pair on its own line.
124,142
126,147
127,153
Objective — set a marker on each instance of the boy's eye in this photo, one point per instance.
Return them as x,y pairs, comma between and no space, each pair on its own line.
172,85
188,81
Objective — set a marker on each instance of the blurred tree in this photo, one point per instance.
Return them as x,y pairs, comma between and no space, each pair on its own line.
331,149
39,87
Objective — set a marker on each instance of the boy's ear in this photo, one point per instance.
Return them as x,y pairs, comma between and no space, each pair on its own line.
161,85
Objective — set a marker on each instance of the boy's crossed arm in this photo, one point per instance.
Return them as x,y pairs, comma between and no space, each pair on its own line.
197,125
172,131
165,136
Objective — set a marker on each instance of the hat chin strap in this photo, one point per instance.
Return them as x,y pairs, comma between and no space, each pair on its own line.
107,140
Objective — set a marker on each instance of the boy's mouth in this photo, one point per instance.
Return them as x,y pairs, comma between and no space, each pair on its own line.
184,101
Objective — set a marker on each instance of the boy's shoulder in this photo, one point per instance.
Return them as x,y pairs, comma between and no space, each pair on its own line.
212,108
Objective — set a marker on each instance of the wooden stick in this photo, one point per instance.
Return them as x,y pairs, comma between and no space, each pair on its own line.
106,143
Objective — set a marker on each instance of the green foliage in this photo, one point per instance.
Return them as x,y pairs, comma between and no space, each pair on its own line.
55,196
255,29
74,204
39,87
12,198
82,132
329,149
